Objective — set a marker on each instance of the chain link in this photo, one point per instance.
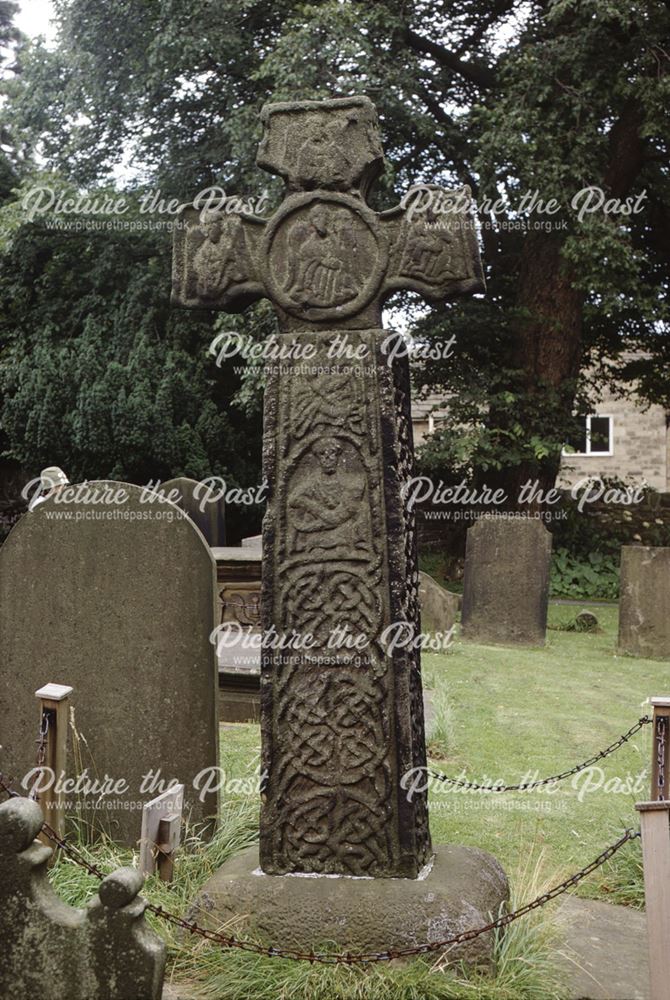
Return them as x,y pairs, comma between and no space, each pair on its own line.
41,741
366,958
661,739
360,958
473,786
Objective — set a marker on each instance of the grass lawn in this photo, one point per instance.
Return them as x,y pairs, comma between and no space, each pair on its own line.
497,713
502,713
514,714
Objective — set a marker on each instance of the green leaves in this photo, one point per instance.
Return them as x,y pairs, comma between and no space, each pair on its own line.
543,97
100,375
594,576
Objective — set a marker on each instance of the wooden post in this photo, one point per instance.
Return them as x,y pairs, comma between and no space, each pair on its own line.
660,750
54,701
655,823
169,832
161,830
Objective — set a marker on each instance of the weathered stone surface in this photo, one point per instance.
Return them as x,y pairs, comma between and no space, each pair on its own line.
341,724
55,952
238,570
586,621
116,600
604,951
463,888
439,607
506,582
644,603
324,258
239,659
339,552
208,514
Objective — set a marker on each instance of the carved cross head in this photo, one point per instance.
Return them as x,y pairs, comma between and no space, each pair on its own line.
325,259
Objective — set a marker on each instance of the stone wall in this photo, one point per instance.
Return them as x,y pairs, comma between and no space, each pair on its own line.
639,445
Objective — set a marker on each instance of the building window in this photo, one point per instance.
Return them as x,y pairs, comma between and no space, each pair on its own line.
593,436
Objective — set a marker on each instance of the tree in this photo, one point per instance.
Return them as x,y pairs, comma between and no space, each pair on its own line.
507,97
97,367
10,39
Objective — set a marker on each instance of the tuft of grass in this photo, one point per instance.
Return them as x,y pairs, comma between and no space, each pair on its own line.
203,971
526,950
440,730
623,877
195,862
511,711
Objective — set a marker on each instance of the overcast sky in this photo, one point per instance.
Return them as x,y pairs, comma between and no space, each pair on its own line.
34,16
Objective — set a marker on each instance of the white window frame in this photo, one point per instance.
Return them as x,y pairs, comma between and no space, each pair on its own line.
594,454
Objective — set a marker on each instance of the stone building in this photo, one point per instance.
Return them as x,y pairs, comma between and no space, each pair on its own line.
620,439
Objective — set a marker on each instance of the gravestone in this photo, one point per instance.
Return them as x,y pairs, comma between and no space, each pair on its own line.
439,607
644,602
208,514
506,582
52,951
341,724
114,595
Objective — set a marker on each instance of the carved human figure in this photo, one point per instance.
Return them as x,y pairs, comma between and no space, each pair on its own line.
428,253
216,263
339,543
323,157
327,504
322,247
317,403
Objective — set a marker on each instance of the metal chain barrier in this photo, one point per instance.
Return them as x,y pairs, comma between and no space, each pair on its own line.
661,737
473,786
361,958
41,741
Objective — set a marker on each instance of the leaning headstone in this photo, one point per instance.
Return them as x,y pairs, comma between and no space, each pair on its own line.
506,582
111,592
342,725
439,607
586,621
644,602
52,951
202,504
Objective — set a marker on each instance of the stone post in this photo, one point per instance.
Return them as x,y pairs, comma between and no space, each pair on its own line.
51,951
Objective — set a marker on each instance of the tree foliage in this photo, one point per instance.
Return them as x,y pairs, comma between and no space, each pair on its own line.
550,96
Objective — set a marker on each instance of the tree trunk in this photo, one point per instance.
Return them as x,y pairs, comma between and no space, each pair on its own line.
547,330
546,347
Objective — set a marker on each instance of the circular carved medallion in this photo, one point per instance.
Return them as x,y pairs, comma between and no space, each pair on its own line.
323,258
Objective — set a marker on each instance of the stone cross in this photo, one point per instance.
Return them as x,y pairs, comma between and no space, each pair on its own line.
342,720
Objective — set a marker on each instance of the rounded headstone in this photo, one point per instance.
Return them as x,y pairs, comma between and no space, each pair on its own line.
112,592
198,500
439,607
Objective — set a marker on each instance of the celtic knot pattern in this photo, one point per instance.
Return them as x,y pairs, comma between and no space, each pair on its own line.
339,732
